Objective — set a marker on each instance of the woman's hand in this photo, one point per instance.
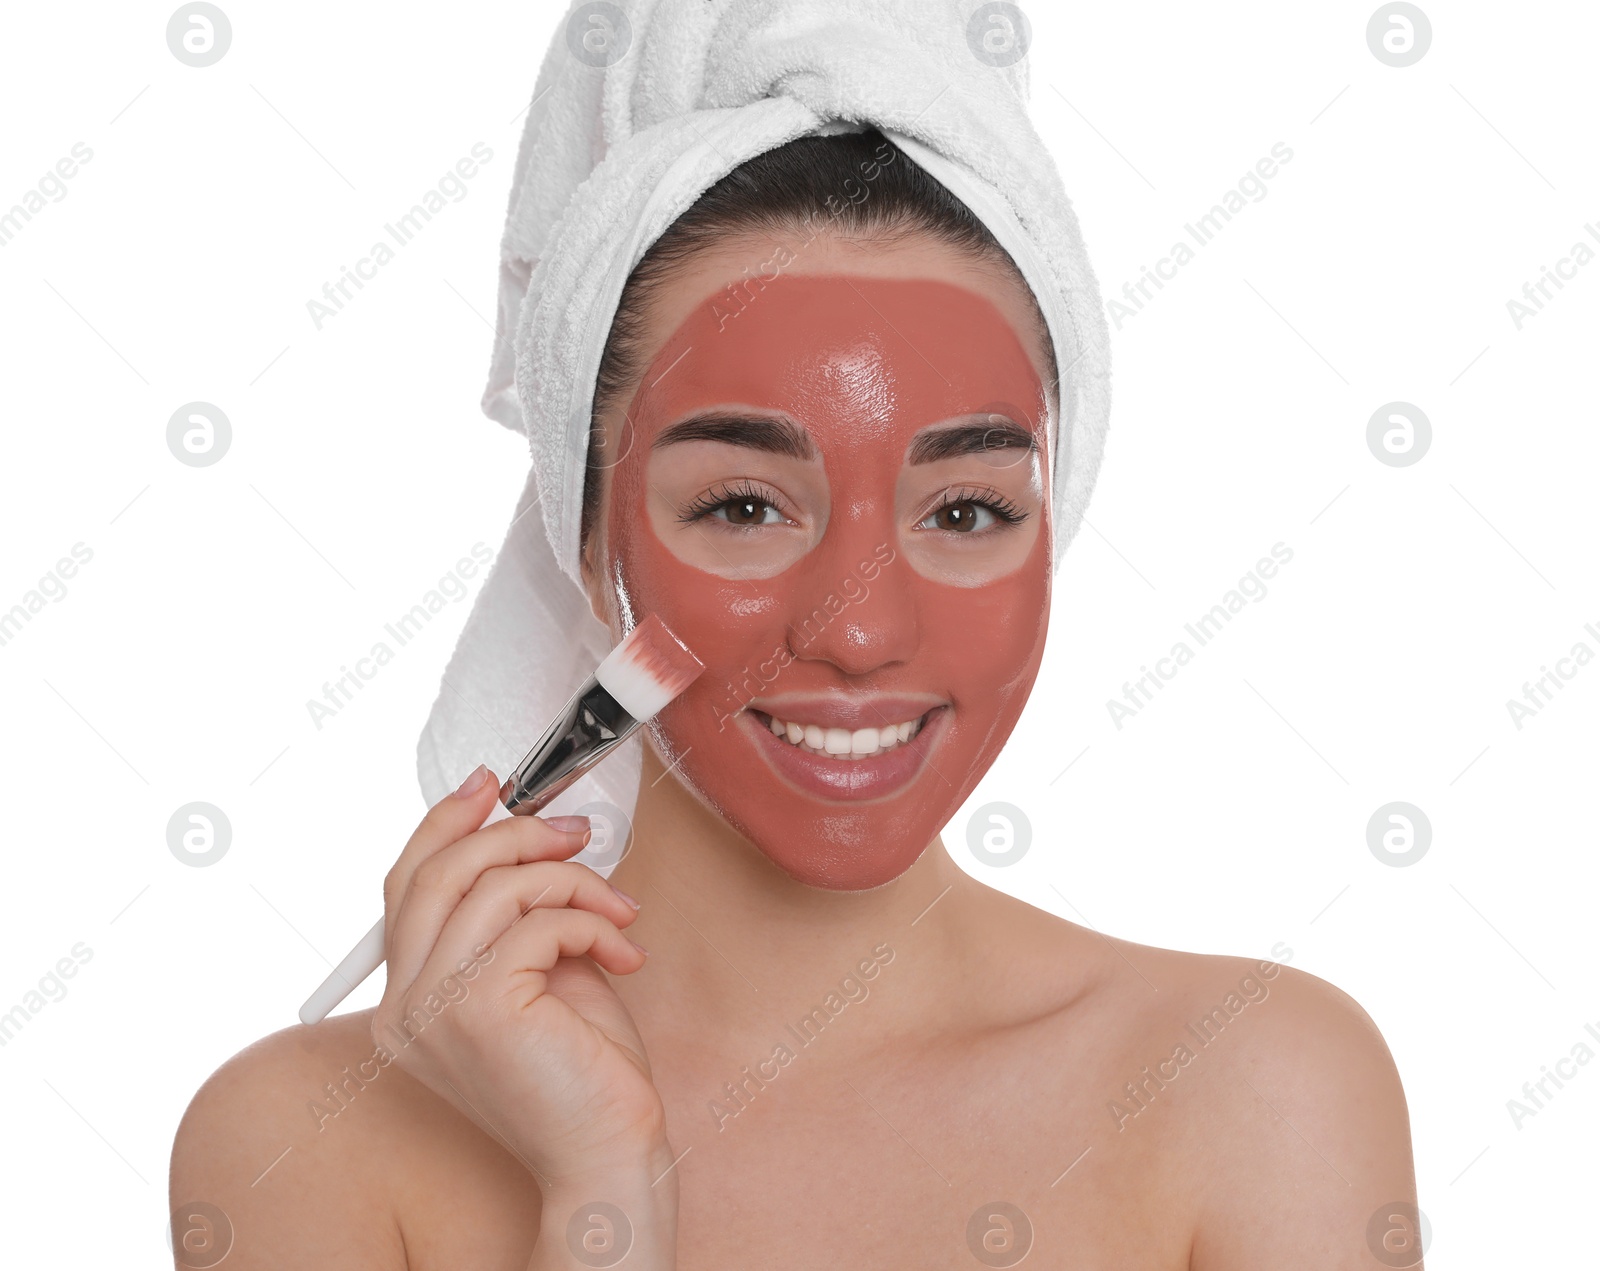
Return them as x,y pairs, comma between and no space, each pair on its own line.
493,1000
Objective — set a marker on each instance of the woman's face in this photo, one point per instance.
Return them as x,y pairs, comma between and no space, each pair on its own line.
833,486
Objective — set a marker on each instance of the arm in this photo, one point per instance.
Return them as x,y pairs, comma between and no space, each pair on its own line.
1309,1162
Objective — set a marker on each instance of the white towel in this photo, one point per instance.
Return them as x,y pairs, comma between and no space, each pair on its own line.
639,108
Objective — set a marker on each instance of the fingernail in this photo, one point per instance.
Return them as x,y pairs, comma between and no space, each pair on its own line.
571,824
625,895
638,946
473,781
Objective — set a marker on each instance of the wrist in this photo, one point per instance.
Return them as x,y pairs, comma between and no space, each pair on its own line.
601,1216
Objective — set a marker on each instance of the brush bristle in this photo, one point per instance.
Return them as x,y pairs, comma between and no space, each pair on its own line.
648,669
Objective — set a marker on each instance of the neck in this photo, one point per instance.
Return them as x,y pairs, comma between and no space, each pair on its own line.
738,947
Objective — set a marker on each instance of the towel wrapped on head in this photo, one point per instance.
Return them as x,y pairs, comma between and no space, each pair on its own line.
639,108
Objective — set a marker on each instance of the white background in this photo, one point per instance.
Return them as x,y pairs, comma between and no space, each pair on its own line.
1227,816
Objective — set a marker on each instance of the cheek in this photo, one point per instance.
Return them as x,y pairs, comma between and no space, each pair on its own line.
1010,630
736,628
1008,620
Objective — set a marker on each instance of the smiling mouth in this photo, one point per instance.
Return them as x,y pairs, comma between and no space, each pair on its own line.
844,744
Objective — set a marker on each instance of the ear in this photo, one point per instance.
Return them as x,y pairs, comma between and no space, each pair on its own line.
593,580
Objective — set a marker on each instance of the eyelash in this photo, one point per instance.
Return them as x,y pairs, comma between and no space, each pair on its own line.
1003,509
742,492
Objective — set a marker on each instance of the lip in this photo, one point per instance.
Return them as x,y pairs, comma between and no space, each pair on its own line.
833,711
849,780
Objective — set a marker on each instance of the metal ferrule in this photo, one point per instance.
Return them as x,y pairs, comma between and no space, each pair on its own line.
589,727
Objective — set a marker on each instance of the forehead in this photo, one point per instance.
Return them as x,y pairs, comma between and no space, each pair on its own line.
856,348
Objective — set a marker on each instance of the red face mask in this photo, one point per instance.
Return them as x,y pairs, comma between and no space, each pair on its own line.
892,574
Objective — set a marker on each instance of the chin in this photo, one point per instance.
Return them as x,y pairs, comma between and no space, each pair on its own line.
822,856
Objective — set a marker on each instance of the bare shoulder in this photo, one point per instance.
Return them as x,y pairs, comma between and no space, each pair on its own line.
1300,1119
1142,991
1289,1039
317,1149
1262,1022
257,1168
1258,1101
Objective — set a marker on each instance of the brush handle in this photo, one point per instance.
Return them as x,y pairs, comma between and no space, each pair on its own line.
590,726
362,960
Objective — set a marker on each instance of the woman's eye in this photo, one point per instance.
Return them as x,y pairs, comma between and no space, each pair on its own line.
747,512
978,512
741,508
962,517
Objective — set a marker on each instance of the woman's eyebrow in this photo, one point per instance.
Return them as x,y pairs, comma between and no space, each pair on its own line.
785,437
757,432
996,433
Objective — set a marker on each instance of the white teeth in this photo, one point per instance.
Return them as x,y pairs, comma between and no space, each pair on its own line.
844,743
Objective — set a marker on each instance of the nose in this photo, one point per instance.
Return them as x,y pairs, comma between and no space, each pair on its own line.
854,610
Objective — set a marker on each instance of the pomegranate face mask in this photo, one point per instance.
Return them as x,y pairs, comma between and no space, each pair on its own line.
838,497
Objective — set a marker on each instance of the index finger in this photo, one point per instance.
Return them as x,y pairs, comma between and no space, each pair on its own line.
454,817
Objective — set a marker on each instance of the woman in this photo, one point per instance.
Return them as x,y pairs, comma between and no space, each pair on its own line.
841,1049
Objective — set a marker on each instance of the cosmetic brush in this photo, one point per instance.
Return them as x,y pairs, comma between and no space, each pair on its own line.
636,679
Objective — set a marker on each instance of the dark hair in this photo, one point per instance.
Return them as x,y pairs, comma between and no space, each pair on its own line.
859,185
